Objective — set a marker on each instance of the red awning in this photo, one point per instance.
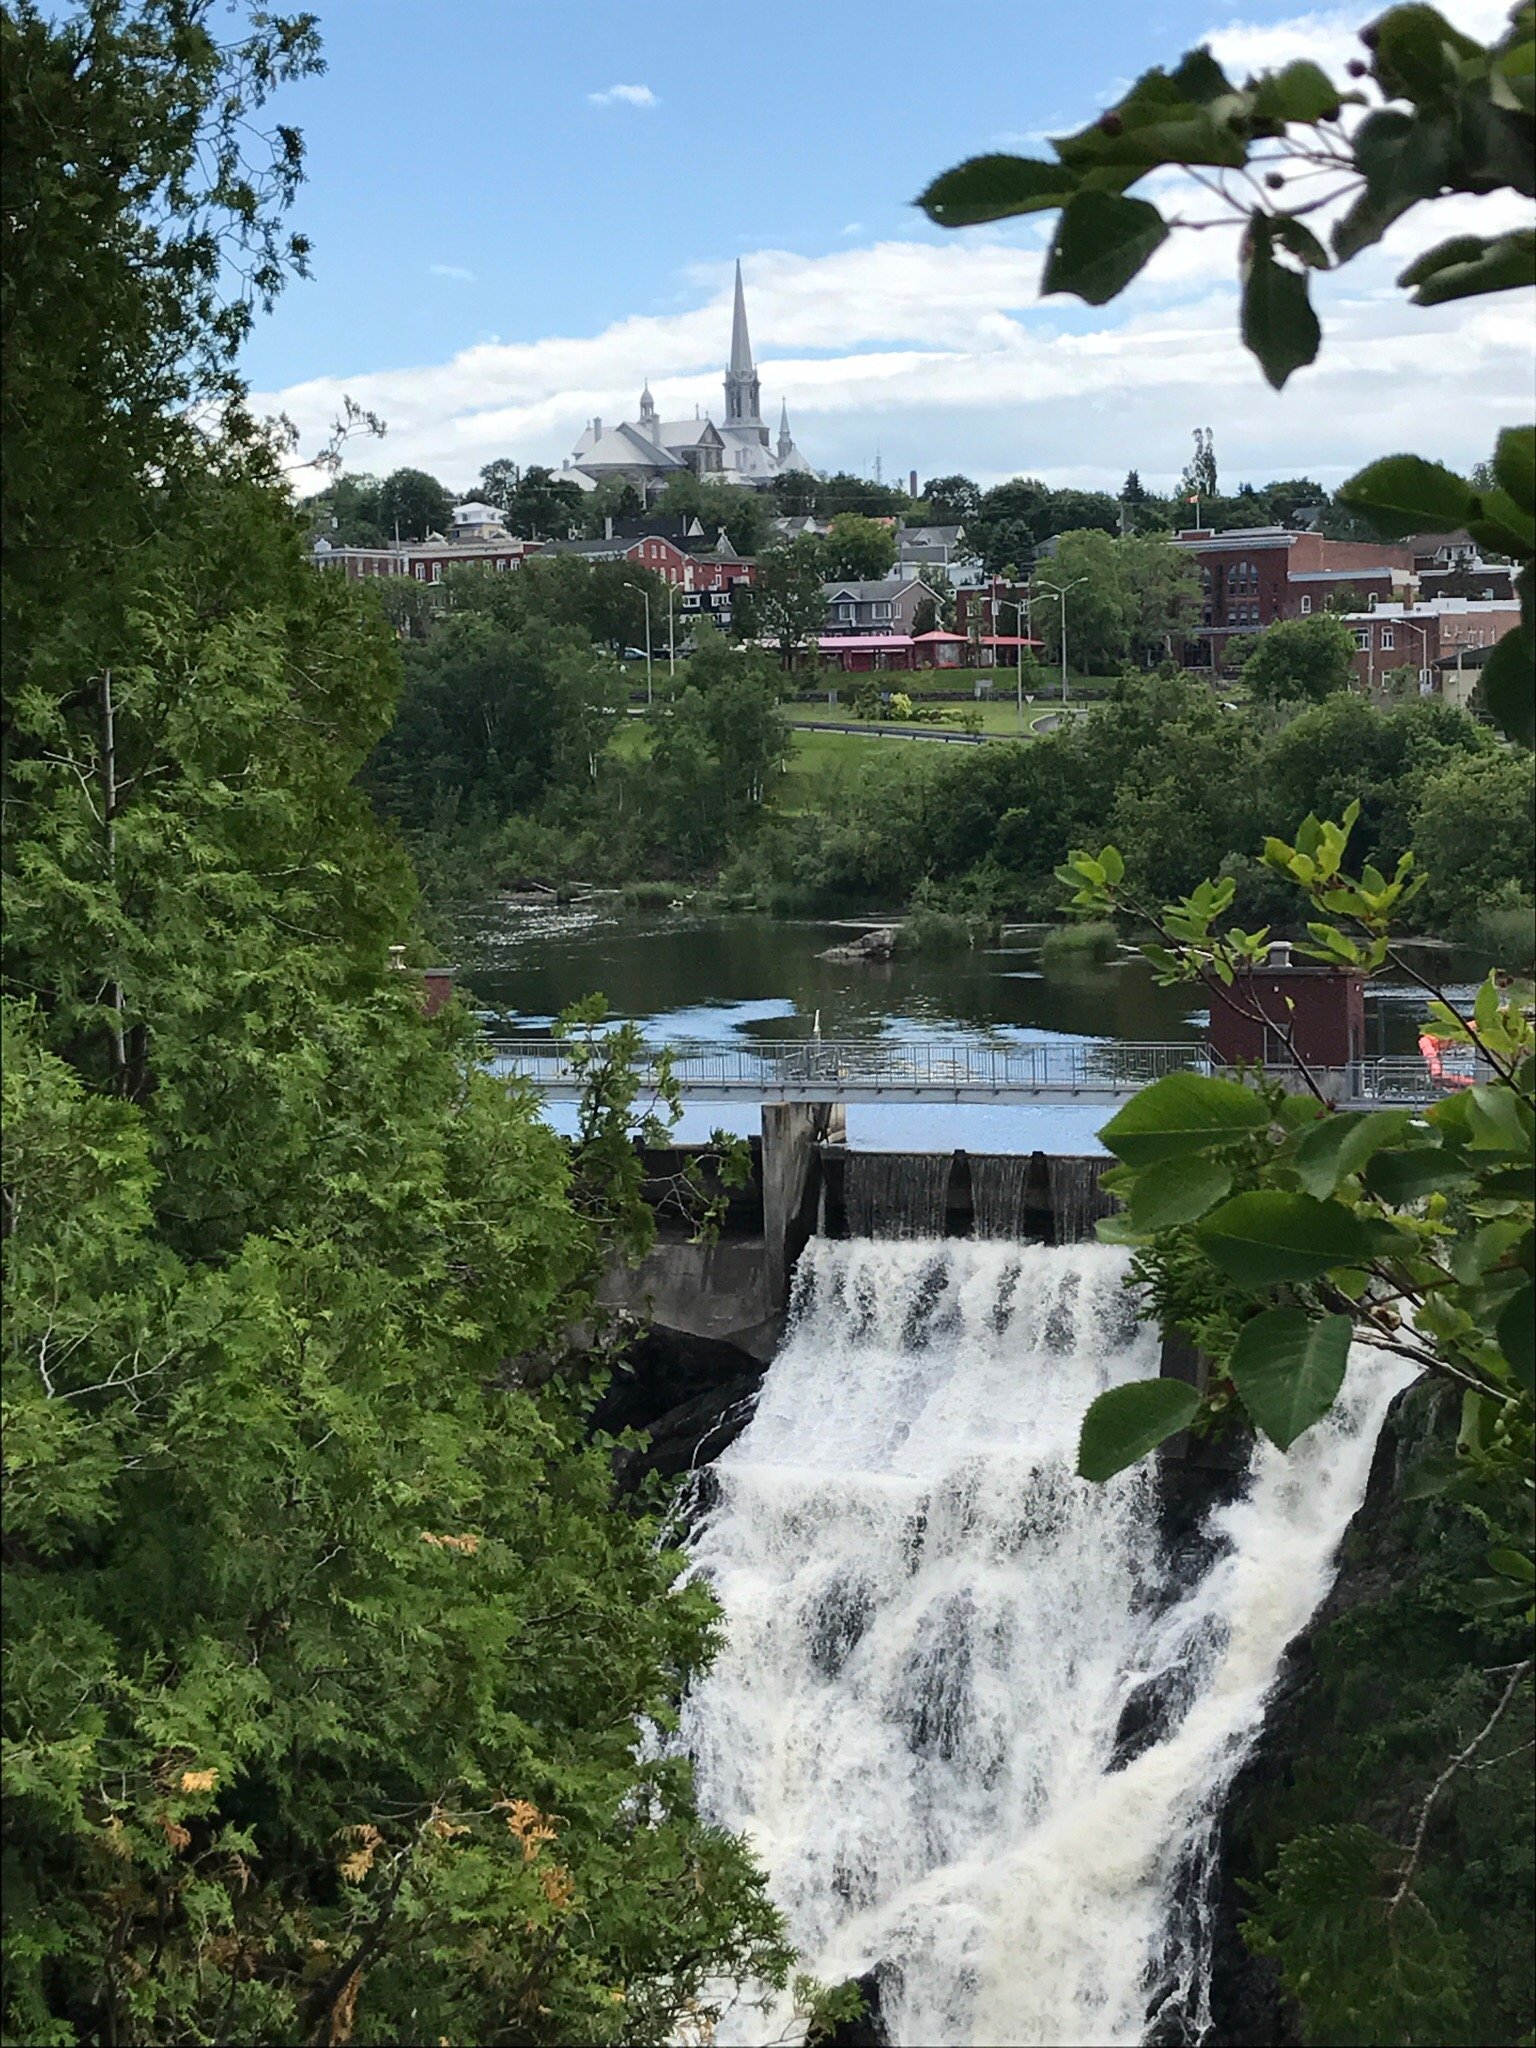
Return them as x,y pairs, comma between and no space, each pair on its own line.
958,639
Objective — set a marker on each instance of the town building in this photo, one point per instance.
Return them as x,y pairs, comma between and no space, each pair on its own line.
739,449
1433,639
886,606
1253,576
472,541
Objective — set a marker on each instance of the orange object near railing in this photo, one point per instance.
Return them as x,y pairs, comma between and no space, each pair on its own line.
1434,1050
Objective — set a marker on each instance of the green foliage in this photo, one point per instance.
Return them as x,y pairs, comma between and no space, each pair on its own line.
1066,944
859,548
1301,659
328,1657
1407,1676
789,597
1340,1226
1125,1424
412,504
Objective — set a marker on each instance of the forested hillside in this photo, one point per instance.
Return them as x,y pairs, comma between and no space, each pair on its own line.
327,1657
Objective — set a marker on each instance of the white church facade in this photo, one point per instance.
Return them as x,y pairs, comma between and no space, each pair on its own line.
739,450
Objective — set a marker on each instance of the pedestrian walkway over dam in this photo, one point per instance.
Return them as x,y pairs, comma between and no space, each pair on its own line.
1087,1071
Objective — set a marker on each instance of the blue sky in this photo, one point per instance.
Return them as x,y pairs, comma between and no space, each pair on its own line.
504,247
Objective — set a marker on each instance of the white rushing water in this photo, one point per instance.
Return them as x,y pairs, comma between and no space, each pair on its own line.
934,1628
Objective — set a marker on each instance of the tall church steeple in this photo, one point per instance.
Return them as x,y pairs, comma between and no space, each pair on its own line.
786,439
743,397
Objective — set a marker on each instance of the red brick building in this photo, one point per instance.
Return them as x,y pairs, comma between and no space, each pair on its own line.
1252,576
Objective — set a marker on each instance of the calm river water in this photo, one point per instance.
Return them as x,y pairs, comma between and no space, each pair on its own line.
684,975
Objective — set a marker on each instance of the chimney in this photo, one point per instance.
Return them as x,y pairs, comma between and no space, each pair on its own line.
912,483
597,428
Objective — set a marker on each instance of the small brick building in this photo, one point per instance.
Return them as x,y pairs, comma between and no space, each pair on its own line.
1322,1007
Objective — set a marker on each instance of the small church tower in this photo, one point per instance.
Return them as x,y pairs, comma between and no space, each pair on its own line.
786,439
647,420
743,399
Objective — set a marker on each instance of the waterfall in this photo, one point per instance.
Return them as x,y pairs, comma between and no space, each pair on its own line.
934,1627
999,1190
1076,1201
897,1194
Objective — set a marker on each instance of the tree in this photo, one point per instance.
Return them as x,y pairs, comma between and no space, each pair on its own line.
413,504
1301,658
1097,611
795,493
952,500
498,480
1199,478
1162,593
346,513
859,548
328,1657
925,616
1445,113
790,599
543,506
1473,831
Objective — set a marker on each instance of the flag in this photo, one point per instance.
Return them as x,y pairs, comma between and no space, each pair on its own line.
1193,498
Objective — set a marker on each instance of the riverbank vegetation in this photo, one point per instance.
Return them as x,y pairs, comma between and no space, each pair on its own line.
329,1664
711,790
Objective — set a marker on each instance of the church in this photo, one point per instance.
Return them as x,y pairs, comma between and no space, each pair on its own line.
646,451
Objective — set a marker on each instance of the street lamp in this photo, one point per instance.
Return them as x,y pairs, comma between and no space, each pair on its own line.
647,596
1017,606
671,630
1060,590
1423,633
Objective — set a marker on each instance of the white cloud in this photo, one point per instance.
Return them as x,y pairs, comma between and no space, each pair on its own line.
854,227
943,355
454,270
624,96
1331,36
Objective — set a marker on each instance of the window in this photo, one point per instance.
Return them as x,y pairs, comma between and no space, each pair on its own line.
437,572
1388,639
1306,606
882,611
845,614
691,601
1363,638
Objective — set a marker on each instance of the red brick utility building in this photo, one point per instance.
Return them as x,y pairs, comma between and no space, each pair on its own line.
1322,1008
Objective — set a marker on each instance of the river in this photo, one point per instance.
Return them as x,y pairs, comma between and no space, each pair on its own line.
685,975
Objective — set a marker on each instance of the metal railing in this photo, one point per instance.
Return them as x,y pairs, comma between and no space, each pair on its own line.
810,1069
946,1067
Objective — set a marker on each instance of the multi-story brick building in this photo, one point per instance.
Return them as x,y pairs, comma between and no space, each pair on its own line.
1392,637
1252,576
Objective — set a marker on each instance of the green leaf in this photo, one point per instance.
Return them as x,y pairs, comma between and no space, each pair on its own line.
1177,1191
1470,264
1296,236
1401,1177
1182,1113
1516,1329
1288,1367
1342,1143
1127,1422
1300,92
1418,55
1101,242
1509,692
1404,494
1198,77
1267,1235
1278,323
1513,1564
995,188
